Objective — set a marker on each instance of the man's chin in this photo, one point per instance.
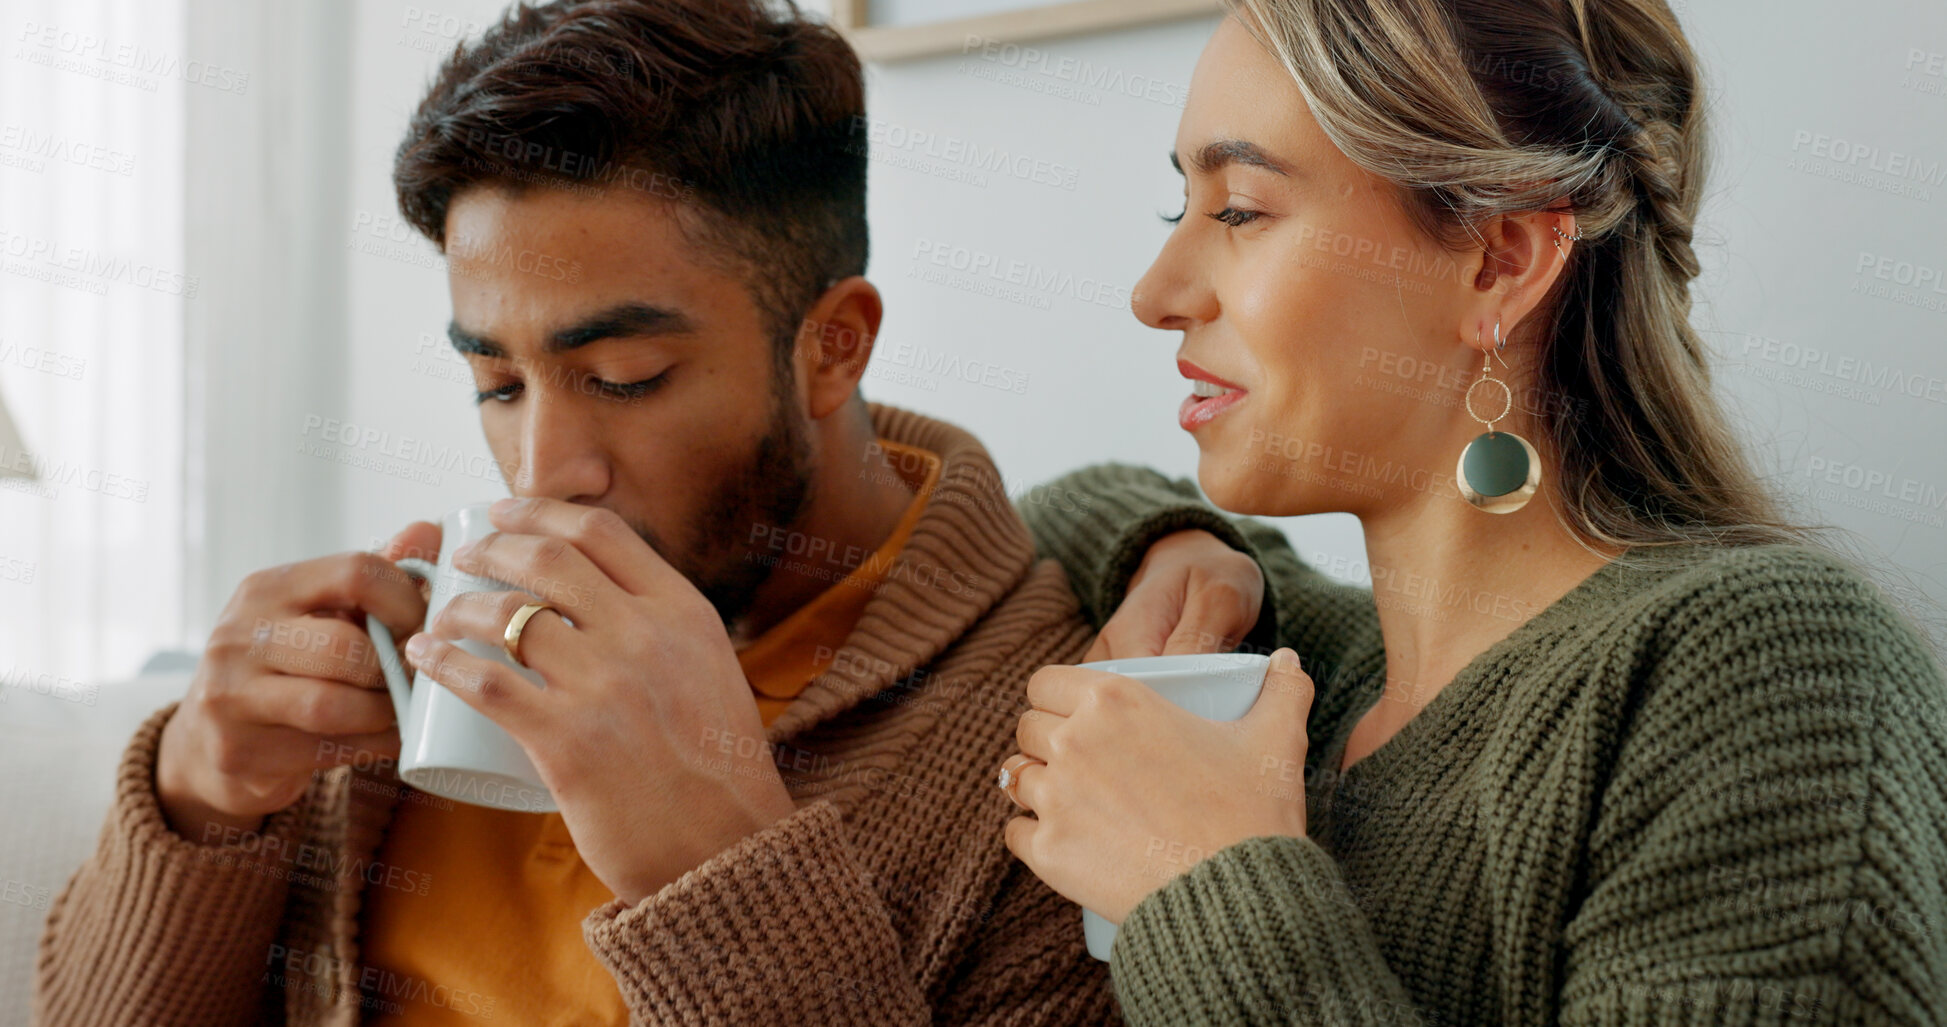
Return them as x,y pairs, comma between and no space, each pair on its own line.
763,492
734,594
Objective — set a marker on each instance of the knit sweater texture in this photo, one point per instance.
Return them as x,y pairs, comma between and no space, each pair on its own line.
886,898
1704,787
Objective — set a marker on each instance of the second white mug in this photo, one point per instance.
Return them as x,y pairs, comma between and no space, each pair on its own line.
1215,686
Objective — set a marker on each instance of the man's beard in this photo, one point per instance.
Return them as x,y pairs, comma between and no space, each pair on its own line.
770,486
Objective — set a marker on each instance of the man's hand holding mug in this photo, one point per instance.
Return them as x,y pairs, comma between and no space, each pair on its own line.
641,690
289,684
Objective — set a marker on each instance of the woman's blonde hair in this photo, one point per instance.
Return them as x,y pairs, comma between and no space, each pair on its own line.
1480,108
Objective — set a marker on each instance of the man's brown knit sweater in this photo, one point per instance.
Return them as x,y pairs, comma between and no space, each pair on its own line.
887,898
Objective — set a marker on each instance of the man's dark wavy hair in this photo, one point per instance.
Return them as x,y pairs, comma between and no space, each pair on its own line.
741,113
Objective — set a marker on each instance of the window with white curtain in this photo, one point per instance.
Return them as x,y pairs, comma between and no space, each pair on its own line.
93,288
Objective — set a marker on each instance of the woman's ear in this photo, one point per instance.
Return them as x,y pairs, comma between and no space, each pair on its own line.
1521,257
834,342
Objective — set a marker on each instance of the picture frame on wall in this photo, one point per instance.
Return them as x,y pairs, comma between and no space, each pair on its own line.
907,41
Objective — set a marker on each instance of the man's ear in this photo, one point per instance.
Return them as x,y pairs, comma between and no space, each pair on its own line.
1521,257
834,342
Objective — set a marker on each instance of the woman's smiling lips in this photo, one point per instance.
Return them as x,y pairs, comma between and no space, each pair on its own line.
1209,396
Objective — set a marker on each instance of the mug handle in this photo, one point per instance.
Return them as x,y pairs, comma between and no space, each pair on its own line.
389,661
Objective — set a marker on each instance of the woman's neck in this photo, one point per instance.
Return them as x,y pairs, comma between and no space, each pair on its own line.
1450,581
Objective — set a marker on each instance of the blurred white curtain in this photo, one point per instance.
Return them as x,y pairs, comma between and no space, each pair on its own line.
93,287
265,341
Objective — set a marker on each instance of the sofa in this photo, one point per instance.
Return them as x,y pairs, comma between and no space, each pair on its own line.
58,751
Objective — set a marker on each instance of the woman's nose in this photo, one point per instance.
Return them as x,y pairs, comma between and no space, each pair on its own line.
1170,296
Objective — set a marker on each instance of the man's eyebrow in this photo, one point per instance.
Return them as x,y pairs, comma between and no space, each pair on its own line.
467,342
1214,156
635,320
623,320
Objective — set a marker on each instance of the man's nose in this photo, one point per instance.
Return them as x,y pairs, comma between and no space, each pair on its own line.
562,455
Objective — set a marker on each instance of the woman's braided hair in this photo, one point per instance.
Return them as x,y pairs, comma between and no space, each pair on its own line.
1481,108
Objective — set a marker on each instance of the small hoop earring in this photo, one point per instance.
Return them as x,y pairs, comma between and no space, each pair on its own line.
1498,471
1561,236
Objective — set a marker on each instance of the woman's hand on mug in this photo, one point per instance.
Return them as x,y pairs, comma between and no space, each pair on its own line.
1192,594
288,684
1128,790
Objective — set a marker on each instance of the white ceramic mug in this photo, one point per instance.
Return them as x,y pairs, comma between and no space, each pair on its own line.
448,748
1215,686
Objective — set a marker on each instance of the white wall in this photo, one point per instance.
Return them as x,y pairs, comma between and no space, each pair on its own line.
411,395
1837,367
1782,247
1063,239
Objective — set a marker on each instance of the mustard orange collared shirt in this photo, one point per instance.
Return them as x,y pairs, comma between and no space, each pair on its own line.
788,657
491,927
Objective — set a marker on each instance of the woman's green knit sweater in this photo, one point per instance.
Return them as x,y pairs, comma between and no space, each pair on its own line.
1704,787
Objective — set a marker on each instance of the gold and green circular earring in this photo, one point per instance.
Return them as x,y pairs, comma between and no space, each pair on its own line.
1499,471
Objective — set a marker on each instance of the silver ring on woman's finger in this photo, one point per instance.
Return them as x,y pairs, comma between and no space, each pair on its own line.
1010,777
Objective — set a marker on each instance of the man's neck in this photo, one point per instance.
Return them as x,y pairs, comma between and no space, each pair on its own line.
857,499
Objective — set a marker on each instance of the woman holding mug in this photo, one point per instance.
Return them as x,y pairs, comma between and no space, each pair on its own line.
1610,740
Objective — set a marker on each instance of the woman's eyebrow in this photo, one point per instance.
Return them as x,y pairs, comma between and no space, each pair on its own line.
1214,156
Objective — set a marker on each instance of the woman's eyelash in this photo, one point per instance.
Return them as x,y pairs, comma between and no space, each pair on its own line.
1235,217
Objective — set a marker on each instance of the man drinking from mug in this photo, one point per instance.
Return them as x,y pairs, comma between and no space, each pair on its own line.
785,635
